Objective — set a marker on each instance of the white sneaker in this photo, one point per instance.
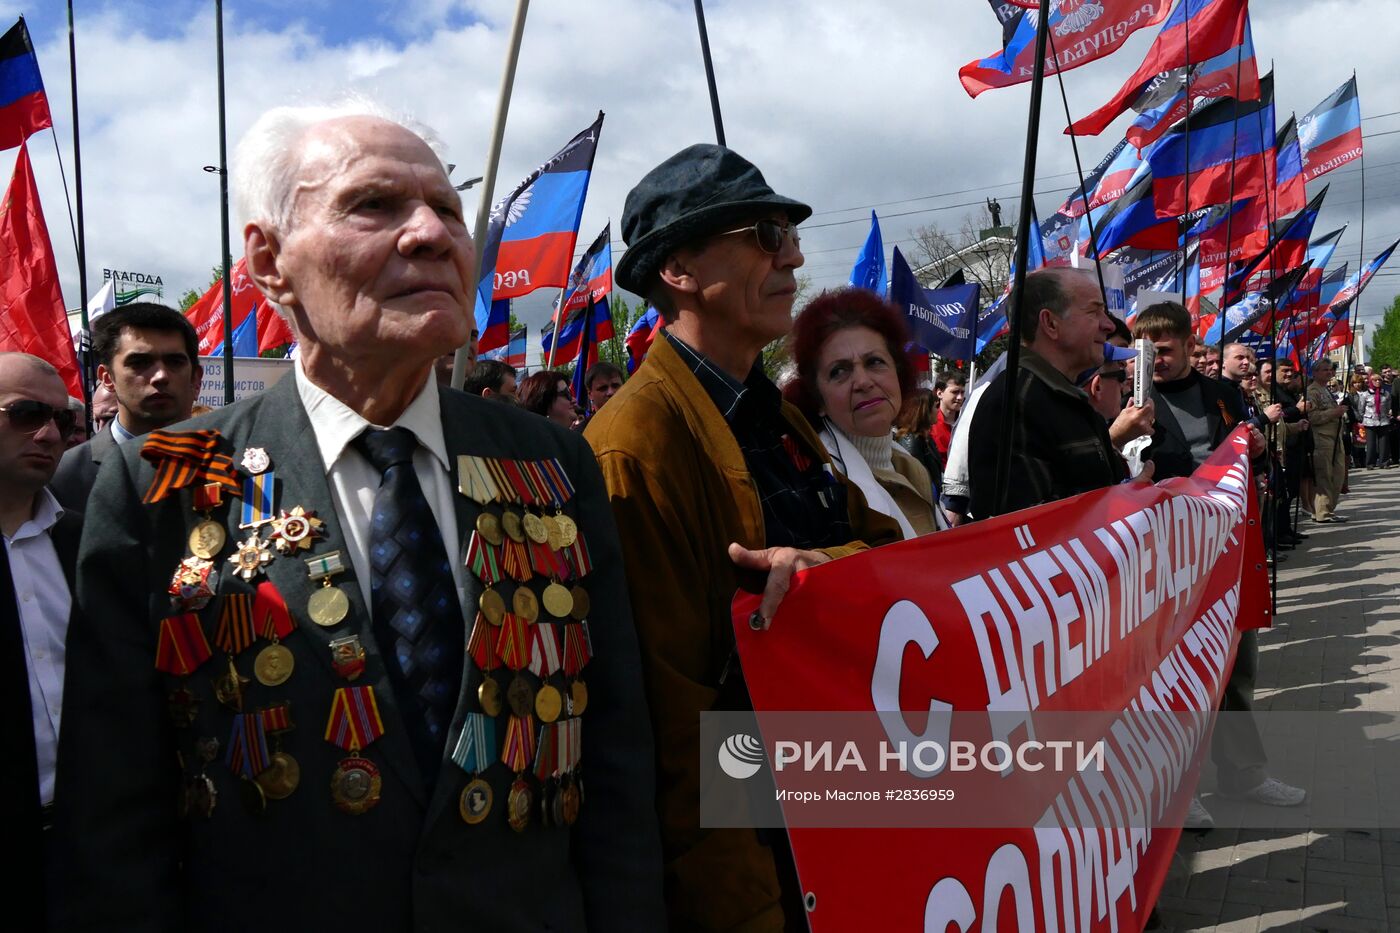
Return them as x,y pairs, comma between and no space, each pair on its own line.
1198,817
1274,793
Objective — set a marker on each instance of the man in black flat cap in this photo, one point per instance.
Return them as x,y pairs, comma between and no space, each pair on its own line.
714,479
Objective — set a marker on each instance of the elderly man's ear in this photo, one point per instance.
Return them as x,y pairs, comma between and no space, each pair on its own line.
261,249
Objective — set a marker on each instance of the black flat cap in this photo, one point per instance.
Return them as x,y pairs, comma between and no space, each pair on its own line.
696,192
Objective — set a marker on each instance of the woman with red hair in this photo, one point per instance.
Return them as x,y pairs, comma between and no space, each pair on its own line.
852,379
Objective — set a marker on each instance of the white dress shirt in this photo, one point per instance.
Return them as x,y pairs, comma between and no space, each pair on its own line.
41,590
354,481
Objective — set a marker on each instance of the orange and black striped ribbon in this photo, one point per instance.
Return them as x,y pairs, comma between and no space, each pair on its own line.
185,457
235,630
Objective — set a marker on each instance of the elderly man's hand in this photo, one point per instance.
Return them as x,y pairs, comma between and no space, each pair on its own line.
780,563
1274,412
1257,444
1132,422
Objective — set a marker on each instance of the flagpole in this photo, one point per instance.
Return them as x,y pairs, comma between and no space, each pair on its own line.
1186,208
1230,208
77,170
1079,168
223,204
1352,312
709,71
1018,286
493,161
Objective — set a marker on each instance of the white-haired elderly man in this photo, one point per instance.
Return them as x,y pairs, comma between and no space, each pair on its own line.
352,649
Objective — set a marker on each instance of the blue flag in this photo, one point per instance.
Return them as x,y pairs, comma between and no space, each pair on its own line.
869,270
944,328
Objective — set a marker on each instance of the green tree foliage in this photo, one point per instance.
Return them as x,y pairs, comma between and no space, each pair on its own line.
1385,345
216,275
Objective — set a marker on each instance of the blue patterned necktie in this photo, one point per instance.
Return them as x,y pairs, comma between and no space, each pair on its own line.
413,599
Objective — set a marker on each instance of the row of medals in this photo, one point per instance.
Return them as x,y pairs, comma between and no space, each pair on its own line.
293,531
559,804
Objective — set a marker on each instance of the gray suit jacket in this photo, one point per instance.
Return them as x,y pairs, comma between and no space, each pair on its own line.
410,863
77,470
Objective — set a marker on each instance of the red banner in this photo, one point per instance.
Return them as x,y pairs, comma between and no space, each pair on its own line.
1126,601
207,314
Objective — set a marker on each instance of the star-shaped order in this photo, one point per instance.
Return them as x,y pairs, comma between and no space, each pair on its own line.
251,557
295,530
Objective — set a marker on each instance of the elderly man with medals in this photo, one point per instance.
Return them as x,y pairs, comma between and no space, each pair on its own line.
349,650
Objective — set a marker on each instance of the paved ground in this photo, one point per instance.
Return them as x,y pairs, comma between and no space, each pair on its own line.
1334,646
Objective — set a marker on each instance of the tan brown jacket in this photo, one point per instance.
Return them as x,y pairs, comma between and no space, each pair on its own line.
681,493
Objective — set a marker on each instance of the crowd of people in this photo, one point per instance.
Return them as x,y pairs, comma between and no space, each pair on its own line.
365,637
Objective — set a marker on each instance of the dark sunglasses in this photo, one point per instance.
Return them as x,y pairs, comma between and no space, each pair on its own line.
770,234
29,417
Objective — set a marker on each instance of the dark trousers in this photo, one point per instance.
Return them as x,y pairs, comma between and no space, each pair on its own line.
1377,446
1236,749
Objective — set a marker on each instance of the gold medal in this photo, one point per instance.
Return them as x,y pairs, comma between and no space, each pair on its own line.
489,527
328,606
581,603
525,603
273,665
489,696
578,698
571,799
519,804
282,776
492,606
557,601
551,530
228,688
521,696
475,802
355,785
511,525
568,530
207,539
548,703
535,528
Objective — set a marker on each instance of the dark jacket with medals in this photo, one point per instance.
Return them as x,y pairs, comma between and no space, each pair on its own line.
409,863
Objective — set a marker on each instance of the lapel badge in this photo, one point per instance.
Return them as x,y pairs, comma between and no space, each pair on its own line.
251,557
295,530
256,460
348,656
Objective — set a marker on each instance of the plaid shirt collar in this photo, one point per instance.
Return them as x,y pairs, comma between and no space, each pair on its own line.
732,397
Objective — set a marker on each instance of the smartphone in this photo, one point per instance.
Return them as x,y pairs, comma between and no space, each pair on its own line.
1143,366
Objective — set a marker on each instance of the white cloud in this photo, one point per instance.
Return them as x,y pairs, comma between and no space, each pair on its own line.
840,104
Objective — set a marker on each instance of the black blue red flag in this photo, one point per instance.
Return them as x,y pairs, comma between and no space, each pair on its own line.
640,336
1285,250
1226,148
1209,28
583,306
1330,133
530,239
24,108
1084,31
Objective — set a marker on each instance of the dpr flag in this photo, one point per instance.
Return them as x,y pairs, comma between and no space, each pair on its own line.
24,108
589,286
1083,30
1330,133
530,238
1210,28
640,336
513,353
945,328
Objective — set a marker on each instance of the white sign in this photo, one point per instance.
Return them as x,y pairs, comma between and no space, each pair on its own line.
251,376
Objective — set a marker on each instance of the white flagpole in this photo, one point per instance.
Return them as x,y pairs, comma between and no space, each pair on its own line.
493,160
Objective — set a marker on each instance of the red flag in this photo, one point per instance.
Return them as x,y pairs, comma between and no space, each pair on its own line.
32,318
207,314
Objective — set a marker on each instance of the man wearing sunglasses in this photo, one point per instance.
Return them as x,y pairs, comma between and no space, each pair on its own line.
36,579
147,357
715,481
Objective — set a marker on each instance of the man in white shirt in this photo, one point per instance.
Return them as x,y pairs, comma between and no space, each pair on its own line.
369,521
41,543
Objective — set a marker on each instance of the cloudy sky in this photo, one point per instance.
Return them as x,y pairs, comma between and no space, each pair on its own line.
846,105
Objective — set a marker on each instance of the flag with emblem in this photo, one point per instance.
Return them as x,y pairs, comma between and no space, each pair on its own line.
1330,133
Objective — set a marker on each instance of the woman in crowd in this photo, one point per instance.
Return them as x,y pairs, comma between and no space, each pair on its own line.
1356,433
547,393
912,431
852,378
